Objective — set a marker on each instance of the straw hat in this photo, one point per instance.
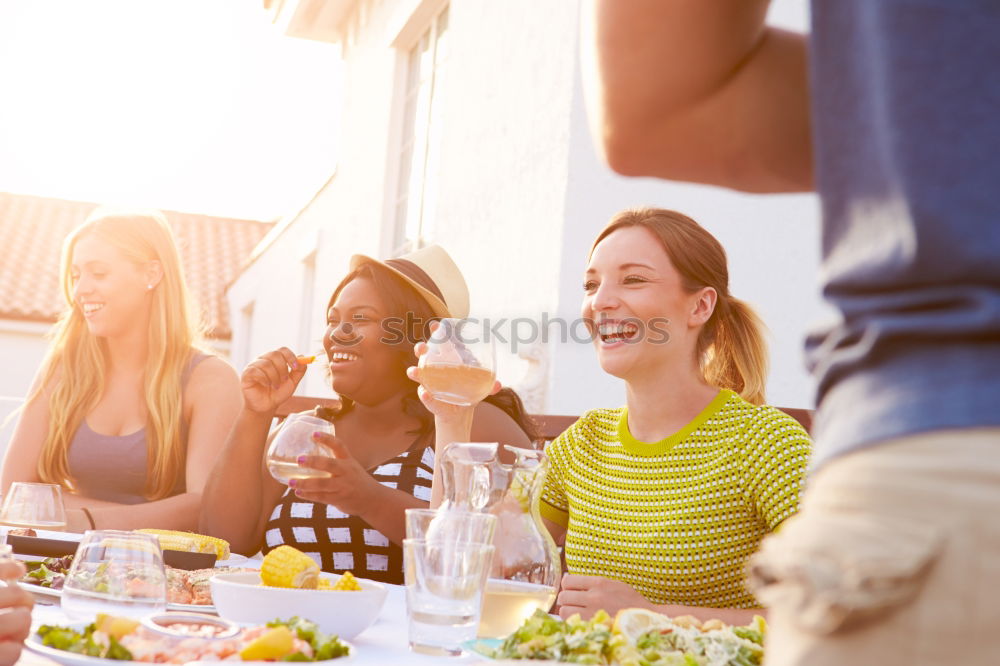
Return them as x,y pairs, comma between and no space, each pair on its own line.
433,273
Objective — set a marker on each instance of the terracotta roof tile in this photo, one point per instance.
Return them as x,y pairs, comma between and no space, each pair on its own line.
213,250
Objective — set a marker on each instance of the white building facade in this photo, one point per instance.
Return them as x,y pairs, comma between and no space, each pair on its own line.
464,125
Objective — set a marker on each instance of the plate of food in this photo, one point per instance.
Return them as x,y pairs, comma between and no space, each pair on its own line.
186,590
119,640
181,550
637,635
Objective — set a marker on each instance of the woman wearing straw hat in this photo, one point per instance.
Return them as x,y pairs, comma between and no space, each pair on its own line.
384,441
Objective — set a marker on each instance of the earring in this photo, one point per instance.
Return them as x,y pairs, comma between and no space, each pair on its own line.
149,287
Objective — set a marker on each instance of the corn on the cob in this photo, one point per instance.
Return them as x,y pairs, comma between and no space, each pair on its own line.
289,567
347,582
190,542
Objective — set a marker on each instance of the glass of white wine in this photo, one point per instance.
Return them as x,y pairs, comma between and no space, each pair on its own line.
114,572
294,438
459,367
34,505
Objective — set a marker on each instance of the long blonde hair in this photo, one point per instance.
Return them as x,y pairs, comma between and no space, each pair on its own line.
731,348
75,366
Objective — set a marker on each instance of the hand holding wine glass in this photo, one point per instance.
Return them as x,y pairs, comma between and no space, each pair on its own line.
293,440
457,364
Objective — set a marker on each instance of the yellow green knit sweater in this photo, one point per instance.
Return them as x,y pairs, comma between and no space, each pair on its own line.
676,519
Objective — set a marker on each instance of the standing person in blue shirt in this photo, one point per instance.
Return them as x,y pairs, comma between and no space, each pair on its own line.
889,111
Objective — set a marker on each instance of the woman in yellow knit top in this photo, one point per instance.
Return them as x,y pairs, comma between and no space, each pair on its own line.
662,502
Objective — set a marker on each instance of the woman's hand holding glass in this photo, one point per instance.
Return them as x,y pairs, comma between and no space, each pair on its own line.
345,484
296,439
456,368
120,573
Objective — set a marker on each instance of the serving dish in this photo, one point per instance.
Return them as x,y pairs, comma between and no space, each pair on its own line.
242,598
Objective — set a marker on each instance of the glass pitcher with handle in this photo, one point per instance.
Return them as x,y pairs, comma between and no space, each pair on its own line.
526,565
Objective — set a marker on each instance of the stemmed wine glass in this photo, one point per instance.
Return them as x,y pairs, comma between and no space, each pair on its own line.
459,366
294,438
115,572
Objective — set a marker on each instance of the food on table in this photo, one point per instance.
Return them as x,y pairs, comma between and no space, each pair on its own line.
193,587
190,542
574,640
637,637
183,587
115,626
189,625
50,572
110,638
272,644
348,582
286,566
22,531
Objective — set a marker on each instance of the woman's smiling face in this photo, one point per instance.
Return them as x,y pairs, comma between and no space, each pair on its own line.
109,289
635,305
363,365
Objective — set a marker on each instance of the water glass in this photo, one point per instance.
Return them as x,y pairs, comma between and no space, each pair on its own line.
120,573
293,439
444,591
436,525
459,366
34,505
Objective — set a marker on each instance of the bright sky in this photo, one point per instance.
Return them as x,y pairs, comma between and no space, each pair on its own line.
193,105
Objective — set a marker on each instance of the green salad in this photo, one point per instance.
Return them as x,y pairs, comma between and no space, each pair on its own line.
573,641
325,646
659,641
124,639
83,642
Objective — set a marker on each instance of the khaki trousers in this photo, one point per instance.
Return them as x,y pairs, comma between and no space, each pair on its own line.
894,558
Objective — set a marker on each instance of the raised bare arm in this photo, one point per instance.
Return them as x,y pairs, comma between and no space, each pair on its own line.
698,90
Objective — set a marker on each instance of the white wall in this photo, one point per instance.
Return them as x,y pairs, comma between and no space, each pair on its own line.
22,347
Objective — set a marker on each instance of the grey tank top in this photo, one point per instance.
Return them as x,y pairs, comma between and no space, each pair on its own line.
112,467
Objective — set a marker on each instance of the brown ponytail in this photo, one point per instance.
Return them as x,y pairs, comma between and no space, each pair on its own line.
732,351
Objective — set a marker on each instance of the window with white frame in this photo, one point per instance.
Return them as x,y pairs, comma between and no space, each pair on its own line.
307,343
420,139
245,352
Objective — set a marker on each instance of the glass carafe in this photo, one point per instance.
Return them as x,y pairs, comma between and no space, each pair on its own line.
526,566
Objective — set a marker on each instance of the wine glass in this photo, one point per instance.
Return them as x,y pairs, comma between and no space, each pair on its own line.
293,439
459,366
35,505
115,572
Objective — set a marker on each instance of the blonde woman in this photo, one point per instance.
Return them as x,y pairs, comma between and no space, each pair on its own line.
126,413
661,503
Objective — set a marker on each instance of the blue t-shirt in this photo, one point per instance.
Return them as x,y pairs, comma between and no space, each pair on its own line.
906,122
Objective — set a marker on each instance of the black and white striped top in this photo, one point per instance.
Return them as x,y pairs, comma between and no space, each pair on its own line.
340,542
